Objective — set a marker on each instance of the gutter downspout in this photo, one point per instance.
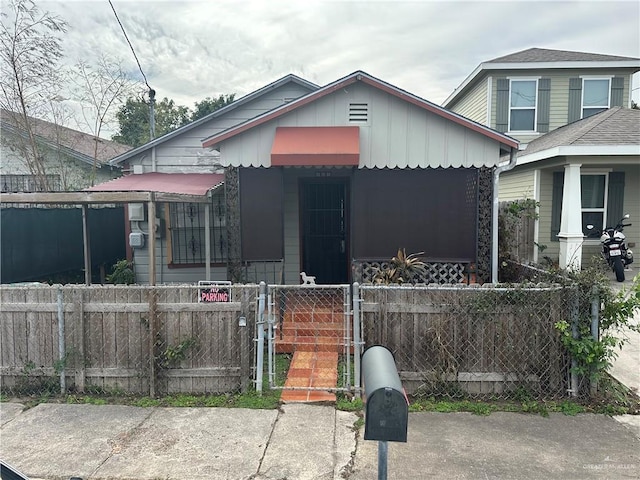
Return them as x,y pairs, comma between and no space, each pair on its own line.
494,221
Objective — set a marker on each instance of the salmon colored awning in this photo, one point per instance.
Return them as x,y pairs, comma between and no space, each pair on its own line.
176,183
316,146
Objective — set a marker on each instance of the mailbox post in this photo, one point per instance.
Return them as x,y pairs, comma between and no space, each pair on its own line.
386,407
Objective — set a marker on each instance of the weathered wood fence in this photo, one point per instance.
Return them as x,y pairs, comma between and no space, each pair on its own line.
446,339
520,230
482,340
133,339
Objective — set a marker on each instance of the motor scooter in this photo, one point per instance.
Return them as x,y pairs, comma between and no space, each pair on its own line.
614,247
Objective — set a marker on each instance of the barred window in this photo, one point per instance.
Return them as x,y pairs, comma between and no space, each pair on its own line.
187,232
28,183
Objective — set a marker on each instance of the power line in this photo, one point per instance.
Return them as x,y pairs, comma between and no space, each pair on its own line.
131,46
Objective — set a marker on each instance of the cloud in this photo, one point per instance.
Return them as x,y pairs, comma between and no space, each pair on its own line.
193,49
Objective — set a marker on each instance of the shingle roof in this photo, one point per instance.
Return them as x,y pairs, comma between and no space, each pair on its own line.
616,126
76,143
534,59
546,55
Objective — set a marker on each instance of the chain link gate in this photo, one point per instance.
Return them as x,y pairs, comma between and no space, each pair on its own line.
309,337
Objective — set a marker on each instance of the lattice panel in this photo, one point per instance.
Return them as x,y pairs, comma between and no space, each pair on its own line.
437,272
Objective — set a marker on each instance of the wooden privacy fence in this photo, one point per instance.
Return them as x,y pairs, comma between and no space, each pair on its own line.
450,340
520,230
133,339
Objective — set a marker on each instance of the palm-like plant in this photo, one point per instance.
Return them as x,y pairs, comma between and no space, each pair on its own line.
402,268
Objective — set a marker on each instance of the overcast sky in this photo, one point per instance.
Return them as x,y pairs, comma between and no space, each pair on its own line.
190,50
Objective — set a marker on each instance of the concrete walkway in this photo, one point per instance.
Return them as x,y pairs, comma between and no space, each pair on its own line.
299,441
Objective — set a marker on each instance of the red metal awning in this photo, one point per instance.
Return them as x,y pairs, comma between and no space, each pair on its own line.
316,146
175,183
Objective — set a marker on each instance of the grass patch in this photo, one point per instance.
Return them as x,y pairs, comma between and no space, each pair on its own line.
349,403
478,407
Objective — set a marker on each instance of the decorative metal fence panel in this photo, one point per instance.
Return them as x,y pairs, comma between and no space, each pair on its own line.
471,341
125,339
304,320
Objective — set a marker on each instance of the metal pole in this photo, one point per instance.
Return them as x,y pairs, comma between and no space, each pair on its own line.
86,237
207,242
356,335
270,340
595,329
152,114
383,450
151,207
61,345
595,311
347,319
260,349
575,315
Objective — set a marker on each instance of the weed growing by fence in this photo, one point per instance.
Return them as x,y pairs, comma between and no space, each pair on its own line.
595,351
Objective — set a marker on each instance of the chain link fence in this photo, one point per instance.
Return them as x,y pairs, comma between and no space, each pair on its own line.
310,326
459,342
451,341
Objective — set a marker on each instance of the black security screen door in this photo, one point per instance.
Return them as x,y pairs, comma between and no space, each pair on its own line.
324,230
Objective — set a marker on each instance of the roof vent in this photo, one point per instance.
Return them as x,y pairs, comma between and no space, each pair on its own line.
359,112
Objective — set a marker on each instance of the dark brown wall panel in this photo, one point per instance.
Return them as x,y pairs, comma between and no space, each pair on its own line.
431,211
261,213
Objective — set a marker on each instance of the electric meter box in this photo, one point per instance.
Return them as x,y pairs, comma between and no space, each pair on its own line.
136,212
136,240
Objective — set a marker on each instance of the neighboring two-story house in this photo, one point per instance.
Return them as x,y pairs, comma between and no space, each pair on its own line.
587,171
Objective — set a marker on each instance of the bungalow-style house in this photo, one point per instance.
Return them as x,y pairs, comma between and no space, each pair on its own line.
580,149
73,160
327,181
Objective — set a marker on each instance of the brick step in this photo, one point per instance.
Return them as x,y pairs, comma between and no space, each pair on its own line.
317,317
313,330
290,344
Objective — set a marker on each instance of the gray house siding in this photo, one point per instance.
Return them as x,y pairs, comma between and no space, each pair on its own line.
184,154
397,133
73,173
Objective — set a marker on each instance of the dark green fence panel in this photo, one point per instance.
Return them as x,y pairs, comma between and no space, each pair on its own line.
40,243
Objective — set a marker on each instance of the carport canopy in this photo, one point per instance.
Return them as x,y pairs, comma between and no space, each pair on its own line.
136,188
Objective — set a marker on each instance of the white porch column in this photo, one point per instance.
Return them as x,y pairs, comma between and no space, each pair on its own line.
571,235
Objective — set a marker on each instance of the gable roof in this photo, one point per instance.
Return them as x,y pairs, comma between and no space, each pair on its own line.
221,111
76,144
358,76
615,131
542,58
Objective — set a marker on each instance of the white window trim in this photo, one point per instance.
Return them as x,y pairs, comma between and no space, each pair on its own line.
605,204
593,77
535,107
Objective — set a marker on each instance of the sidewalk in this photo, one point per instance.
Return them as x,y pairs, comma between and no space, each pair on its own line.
301,441
626,367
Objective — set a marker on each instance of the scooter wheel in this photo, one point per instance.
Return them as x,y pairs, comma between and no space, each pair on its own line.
618,268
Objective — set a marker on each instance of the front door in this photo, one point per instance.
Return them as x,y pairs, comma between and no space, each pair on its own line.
323,210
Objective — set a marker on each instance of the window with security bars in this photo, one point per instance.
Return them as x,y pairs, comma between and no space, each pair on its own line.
188,234
28,183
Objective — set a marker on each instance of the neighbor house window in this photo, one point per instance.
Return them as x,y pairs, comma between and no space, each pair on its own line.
595,95
29,183
187,245
522,109
593,189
